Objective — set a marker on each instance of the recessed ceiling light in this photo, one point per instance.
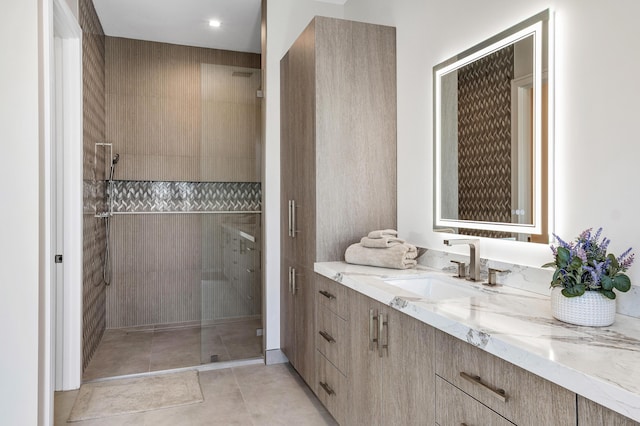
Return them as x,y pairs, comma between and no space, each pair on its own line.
214,23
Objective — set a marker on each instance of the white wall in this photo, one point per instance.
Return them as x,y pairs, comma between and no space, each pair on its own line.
285,21
596,110
19,212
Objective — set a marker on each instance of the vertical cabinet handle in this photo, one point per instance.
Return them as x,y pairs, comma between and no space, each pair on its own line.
382,348
289,223
294,289
293,218
372,330
292,280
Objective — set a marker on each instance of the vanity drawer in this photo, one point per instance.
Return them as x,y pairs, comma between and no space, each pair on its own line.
331,338
520,396
331,388
455,408
332,295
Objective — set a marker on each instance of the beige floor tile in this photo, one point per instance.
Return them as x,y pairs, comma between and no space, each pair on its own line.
217,381
63,405
254,395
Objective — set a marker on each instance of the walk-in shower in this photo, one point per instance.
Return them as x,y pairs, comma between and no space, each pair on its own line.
178,190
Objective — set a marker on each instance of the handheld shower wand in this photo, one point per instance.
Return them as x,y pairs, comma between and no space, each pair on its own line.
114,161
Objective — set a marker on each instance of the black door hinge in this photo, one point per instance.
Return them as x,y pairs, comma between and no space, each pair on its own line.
57,258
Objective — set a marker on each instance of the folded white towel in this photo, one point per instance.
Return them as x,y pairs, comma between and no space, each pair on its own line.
412,251
383,233
401,256
381,242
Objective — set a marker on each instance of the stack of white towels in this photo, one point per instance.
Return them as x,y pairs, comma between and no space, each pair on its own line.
382,248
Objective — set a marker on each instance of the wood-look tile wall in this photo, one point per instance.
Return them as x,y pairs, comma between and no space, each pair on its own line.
177,113
94,300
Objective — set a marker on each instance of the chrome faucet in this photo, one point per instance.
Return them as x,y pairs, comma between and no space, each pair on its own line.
474,252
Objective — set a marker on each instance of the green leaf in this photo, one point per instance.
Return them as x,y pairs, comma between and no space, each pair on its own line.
622,282
549,265
576,263
606,282
608,293
614,262
562,259
576,290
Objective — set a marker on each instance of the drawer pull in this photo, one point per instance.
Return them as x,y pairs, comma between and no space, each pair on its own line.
498,393
327,294
327,388
382,321
326,336
372,330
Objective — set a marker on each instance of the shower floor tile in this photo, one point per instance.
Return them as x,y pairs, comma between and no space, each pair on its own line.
130,351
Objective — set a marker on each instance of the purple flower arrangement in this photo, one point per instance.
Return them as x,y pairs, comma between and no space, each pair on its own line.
585,265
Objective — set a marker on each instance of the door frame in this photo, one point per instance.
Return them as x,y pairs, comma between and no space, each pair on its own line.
61,323
70,32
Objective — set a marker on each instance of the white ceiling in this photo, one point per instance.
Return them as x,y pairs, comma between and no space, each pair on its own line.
184,22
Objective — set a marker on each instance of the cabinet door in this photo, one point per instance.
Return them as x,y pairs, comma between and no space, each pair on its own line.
304,295
301,111
287,313
408,382
592,414
365,374
287,157
392,385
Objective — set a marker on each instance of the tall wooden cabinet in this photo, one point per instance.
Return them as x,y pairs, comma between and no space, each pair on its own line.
338,160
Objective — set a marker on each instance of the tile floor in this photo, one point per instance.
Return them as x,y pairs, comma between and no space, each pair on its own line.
139,351
254,395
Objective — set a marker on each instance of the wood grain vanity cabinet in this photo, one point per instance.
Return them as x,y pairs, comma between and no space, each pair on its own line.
338,160
391,379
333,337
593,414
362,382
454,407
516,394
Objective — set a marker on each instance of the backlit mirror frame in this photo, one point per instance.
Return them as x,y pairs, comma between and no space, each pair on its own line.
531,27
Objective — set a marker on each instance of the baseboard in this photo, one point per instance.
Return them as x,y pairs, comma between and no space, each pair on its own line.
275,356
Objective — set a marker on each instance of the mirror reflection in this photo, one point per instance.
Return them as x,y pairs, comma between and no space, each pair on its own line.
491,138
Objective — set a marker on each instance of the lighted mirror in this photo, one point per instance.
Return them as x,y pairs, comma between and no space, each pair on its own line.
493,136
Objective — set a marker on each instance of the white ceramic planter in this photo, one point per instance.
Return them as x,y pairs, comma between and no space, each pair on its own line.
591,309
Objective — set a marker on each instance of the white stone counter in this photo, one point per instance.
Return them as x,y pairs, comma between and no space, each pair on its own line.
601,364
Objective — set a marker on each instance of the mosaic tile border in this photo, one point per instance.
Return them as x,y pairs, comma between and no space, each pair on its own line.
171,197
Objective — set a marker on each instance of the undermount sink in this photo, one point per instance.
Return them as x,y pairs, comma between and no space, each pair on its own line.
435,288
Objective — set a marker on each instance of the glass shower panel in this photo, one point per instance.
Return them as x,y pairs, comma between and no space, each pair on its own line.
230,159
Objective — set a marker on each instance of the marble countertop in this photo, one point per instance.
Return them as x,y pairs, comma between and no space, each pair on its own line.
601,364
